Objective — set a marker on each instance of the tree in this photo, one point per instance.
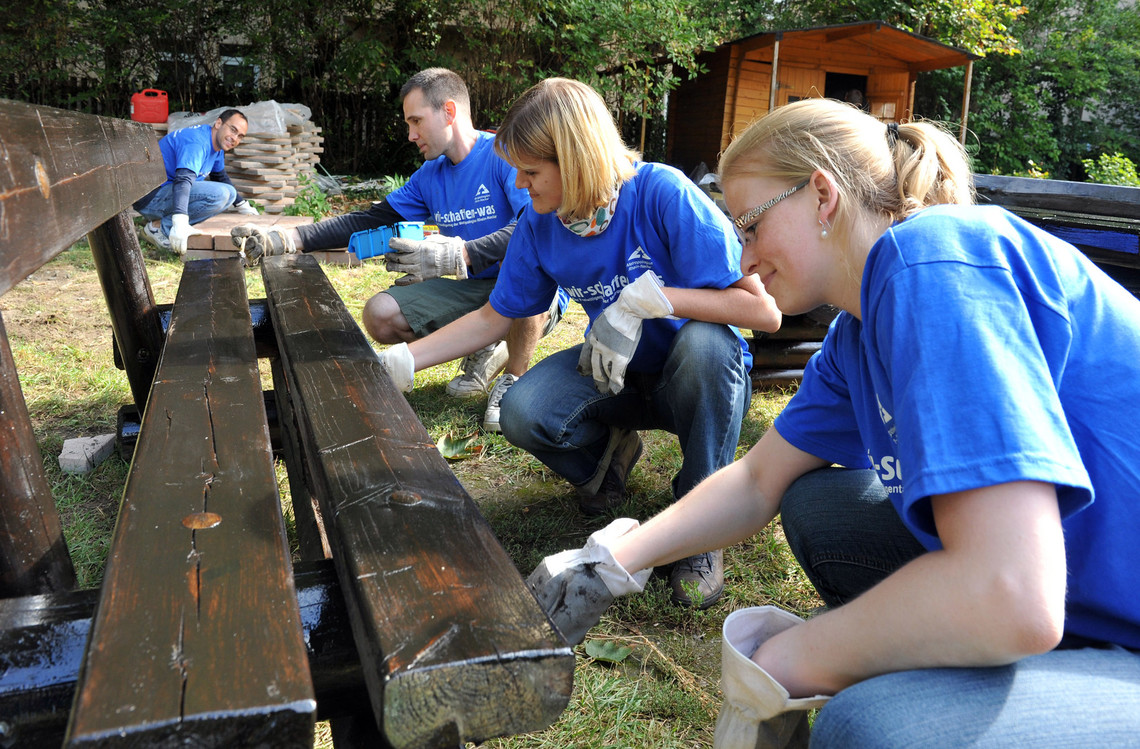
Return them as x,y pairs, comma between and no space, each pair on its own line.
1068,97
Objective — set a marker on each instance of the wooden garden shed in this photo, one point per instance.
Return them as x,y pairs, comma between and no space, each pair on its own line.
871,63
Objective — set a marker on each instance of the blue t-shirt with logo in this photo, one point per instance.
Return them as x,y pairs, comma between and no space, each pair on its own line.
991,352
471,199
662,222
192,148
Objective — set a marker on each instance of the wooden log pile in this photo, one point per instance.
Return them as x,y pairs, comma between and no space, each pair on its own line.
267,167
778,359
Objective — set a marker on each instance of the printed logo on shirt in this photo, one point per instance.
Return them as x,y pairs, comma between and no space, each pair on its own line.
888,420
890,472
482,194
465,216
639,260
598,292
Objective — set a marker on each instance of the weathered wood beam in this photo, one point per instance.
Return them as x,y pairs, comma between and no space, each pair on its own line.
42,638
453,646
68,171
197,640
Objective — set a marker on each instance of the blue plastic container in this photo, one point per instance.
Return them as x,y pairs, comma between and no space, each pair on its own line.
373,242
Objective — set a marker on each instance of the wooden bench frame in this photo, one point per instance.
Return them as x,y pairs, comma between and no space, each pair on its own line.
197,635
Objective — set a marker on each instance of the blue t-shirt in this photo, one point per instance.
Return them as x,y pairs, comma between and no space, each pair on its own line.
471,199
662,222
192,148
991,352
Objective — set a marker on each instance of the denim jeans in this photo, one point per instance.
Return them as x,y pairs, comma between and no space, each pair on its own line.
207,199
701,395
845,533
1088,697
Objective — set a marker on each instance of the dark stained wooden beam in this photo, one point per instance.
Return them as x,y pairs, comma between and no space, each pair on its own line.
64,173
42,639
197,640
453,646
33,552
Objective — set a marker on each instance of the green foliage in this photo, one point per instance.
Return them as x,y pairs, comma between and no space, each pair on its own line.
1031,170
1116,169
310,200
1068,95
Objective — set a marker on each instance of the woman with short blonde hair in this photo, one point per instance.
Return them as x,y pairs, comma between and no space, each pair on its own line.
655,265
559,117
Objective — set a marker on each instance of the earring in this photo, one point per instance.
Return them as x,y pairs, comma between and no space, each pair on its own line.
823,229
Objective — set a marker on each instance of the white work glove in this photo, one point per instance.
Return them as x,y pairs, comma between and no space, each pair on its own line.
256,242
180,231
613,337
245,207
398,362
576,587
757,711
433,256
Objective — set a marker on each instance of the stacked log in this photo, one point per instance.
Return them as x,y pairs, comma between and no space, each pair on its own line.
267,167
778,359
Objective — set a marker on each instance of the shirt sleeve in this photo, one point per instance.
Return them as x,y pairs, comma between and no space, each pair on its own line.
820,418
973,396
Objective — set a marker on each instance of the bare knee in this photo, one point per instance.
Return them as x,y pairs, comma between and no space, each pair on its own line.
384,321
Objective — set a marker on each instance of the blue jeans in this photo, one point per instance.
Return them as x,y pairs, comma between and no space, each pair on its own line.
207,199
845,533
1088,697
701,395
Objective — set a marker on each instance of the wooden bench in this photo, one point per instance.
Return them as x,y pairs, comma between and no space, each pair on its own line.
198,635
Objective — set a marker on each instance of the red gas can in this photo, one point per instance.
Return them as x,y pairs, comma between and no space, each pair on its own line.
150,105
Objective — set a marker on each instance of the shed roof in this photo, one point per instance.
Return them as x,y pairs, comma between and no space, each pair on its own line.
918,52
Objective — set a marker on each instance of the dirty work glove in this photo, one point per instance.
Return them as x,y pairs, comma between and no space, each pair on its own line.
256,242
398,362
180,231
433,256
613,337
576,587
757,711
245,207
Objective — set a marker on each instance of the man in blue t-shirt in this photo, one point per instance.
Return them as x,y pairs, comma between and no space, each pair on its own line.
197,186
469,193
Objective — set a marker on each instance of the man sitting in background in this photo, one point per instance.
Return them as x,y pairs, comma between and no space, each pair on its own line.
197,186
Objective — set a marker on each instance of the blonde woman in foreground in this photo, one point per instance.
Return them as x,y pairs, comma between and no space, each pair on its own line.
979,549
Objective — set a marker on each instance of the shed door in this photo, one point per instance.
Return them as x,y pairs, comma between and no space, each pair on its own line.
799,83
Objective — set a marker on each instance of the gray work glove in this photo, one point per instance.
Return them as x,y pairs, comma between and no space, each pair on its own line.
256,242
180,231
576,587
400,365
613,338
757,711
433,256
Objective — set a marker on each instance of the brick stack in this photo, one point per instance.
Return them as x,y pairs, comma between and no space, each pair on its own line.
266,167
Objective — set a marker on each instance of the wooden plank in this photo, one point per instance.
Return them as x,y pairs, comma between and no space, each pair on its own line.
42,640
197,640
1059,195
453,645
33,552
65,173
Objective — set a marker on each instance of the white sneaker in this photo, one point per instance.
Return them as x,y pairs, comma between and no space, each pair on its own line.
154,235
479,369
495,401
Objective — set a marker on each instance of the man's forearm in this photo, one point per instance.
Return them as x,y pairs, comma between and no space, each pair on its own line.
333,233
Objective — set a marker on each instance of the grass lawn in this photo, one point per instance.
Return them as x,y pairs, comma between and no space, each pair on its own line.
664,694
